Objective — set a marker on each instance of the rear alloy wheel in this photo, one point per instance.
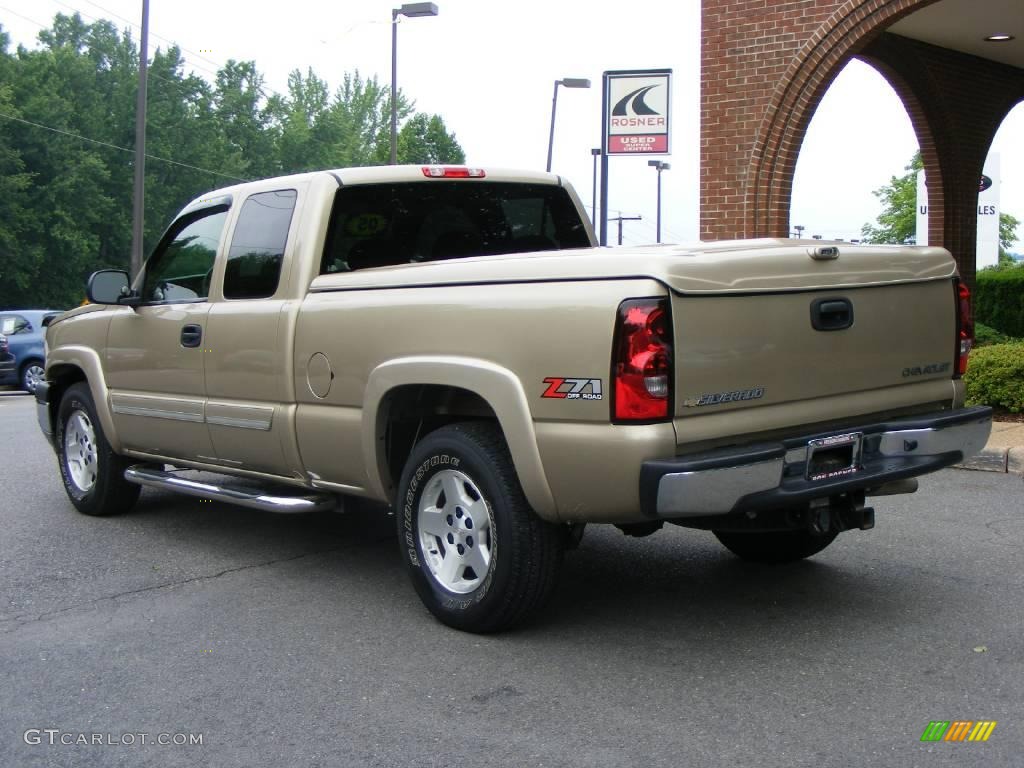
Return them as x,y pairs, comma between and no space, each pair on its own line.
775,546
93,474
479,557
31,374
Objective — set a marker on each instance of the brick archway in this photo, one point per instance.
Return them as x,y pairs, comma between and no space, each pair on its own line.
796,98
764,70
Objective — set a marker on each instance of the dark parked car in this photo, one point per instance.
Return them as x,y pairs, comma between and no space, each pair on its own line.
7,367
24,329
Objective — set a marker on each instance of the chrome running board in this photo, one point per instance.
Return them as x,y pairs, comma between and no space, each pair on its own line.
279,500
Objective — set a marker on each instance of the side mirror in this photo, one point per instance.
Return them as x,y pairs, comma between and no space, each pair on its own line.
108,286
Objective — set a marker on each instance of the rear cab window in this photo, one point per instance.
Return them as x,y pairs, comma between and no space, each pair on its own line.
377,225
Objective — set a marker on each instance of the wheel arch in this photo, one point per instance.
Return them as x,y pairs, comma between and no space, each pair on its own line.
447,389
68,365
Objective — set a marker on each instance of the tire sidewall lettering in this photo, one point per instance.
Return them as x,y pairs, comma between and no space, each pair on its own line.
427,469
74,404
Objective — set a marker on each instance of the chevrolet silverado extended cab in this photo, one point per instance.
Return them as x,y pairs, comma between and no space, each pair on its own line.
449,341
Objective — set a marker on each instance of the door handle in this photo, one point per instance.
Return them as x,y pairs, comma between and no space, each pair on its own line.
191,335
832,314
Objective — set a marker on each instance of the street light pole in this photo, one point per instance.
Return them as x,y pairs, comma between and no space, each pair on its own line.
659,166
596,152
409,10
139,192
568,82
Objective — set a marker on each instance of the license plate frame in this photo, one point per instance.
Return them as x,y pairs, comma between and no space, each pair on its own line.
837,456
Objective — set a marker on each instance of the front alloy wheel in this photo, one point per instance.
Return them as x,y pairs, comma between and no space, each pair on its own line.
93,474
80,450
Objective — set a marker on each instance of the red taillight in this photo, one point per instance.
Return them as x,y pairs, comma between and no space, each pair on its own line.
964,327
642,361
453,172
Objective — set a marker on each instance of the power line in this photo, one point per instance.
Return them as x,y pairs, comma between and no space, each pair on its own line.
23,18
152,34
170,42
150,73
115,146
190,61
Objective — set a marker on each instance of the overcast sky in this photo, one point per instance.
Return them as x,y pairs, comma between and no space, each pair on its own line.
489,69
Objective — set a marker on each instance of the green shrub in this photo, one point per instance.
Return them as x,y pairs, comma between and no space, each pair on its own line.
998,300
995,377
985,336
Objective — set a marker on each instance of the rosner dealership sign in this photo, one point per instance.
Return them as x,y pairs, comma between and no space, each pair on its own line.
636,112
988,213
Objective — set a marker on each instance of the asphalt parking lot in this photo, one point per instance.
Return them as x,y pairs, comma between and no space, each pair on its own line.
296,641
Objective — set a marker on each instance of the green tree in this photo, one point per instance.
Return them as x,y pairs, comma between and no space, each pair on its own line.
1007,237
897,224
67,132
898,221
424,139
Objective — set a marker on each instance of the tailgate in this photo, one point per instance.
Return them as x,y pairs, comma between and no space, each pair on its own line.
794,357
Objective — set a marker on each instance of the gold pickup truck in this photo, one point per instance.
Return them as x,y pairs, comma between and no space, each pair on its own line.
449,341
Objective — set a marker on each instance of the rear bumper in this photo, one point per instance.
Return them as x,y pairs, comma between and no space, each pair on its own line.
775,475
42,395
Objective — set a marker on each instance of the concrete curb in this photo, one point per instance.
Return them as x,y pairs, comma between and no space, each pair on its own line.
987,460
1006,460
1015,461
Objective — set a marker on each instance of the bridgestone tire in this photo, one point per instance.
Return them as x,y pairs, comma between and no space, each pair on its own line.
93,474
775,546
459,483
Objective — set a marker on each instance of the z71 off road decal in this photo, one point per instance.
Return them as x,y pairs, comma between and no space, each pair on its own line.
572,389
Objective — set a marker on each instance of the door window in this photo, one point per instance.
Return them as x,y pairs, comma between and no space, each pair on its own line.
11,325
180,268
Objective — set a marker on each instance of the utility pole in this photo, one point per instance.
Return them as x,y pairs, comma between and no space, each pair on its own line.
139,193
620,218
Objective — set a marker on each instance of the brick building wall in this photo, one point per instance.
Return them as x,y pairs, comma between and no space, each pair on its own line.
765,65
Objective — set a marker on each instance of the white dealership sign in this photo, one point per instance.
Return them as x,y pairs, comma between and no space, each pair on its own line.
988,213
636,112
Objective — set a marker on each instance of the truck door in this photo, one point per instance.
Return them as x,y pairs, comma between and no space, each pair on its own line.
249,339
154,357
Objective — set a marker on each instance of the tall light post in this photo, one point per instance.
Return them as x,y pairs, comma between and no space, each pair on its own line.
659,166
568,82
596,152
139,191
409,10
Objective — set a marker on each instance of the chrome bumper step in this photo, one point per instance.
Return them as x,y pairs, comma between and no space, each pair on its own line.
277,499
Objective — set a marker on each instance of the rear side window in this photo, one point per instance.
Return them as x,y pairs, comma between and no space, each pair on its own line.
257,246
377,225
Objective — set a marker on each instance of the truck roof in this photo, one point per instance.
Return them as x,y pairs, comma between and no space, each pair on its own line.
382,174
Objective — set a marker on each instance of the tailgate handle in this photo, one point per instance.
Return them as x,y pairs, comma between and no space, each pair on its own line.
833,314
